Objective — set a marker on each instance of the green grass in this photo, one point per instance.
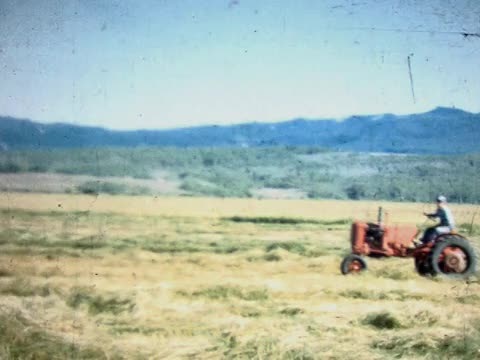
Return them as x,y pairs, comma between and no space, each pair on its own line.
97,304
392,295
249,312
225,292
188,236
404,346
460,346
286,220
270,220
19,241
259,348
47,253
396,273
471,299
23,287
299,248
262,348
191,246
463,345
469,229
272,257
291,311
27,242
423,318
382,320
10,235
301,353
83,243
5,272
290,246
21,339
121,329
111,188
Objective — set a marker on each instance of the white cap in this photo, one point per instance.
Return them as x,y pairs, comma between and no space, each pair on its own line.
441,198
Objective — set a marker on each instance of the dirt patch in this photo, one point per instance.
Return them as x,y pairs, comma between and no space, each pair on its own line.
275,193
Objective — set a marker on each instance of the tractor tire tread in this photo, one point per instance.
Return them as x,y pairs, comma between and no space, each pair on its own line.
448,240
344,266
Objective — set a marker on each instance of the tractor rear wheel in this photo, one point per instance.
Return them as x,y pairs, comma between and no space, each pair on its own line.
452,256
352,264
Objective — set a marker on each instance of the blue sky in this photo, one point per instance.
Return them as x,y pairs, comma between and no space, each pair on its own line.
163,64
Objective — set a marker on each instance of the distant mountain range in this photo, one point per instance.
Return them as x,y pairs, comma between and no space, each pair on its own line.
442,131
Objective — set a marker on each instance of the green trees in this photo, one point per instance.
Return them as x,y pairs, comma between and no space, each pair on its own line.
239,172
355,191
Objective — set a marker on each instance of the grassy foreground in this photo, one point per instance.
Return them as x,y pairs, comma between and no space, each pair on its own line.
103,277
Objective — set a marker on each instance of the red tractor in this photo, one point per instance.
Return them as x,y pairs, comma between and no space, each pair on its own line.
447,254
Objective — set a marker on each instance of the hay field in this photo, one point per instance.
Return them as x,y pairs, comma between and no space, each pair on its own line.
179,278
396,212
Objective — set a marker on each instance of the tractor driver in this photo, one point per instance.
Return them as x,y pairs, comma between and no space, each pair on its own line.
446,224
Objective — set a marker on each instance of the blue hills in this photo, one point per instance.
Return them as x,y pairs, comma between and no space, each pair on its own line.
440,131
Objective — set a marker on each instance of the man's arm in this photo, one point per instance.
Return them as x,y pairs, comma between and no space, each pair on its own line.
432,215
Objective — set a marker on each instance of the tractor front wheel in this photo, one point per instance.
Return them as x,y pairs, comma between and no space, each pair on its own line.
352,264
453,256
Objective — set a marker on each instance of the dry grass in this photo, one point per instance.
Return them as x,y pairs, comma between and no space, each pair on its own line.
169,282
218,207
